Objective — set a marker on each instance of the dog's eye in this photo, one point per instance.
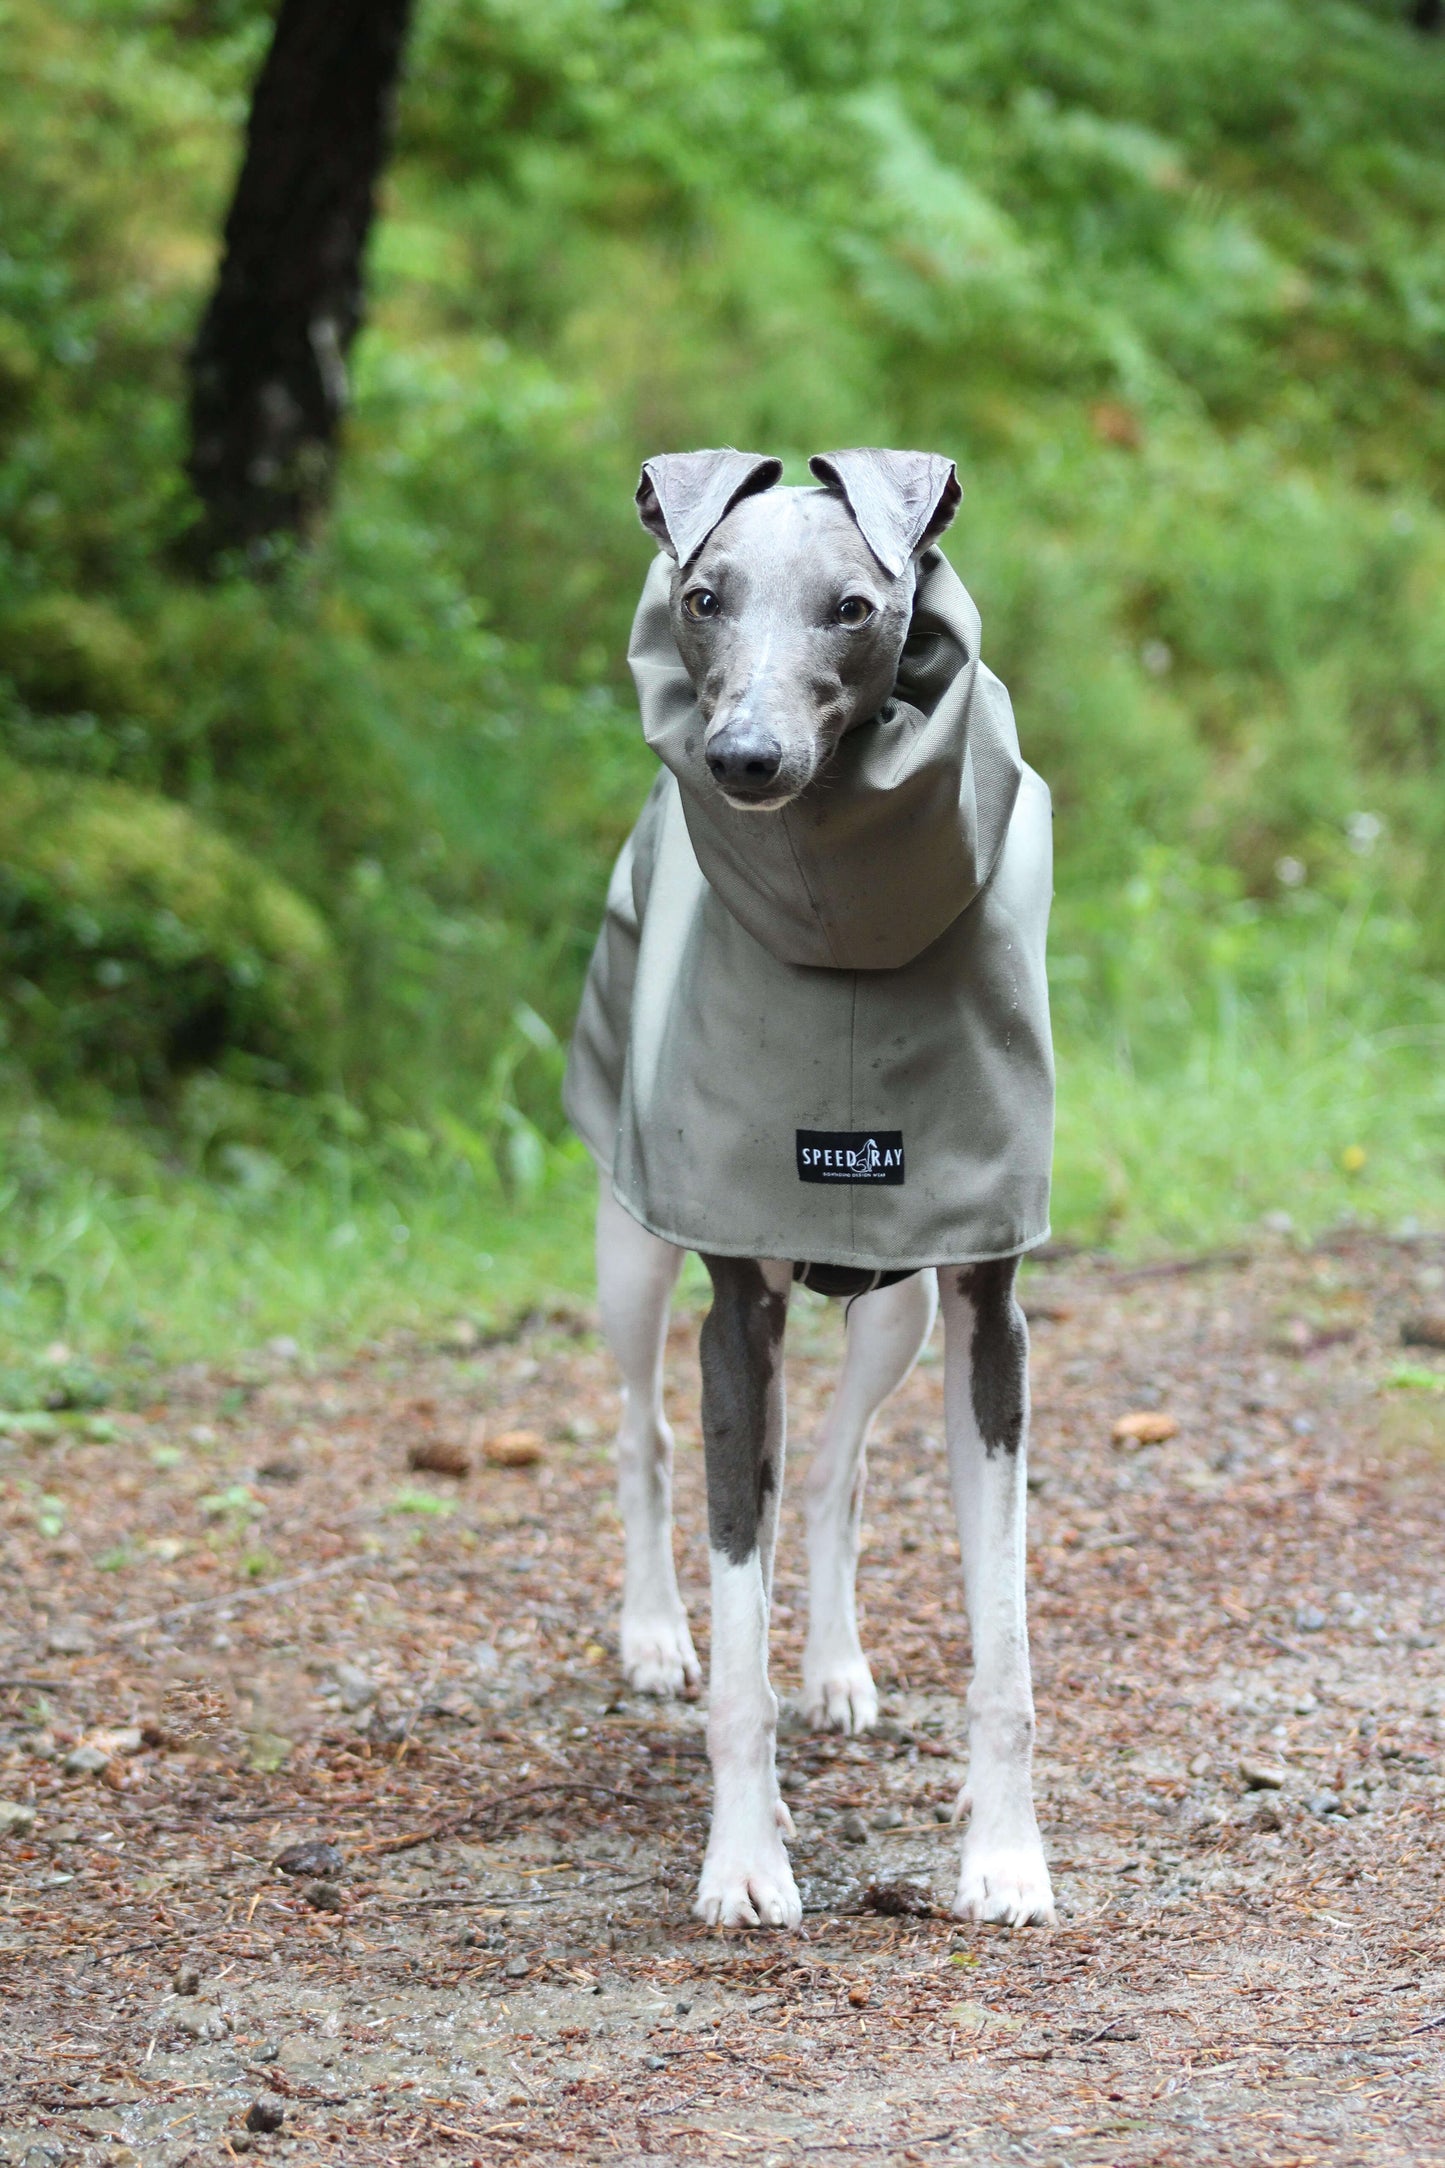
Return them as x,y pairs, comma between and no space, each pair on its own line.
700,602
853,610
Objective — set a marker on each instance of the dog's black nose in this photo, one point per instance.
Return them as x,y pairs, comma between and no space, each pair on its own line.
745,761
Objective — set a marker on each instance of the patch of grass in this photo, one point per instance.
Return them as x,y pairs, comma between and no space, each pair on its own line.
423,1502
1217,1065
1415,1378
186,1267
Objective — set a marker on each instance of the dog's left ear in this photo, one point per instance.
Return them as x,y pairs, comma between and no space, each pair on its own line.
683,495
901,501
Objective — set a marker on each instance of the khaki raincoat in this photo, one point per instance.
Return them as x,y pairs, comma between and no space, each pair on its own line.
823,1033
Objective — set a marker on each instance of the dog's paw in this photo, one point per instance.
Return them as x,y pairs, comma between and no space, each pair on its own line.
840,1696
658,1657
1007,1884
760,1892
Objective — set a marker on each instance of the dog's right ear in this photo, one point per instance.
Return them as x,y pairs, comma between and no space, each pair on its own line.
683,495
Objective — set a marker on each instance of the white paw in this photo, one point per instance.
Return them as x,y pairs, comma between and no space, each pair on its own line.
658,1657
1008,1884
760,1892
840,1696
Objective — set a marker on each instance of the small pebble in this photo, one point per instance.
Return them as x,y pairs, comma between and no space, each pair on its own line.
357,1691
888,1818
1262,1776
201,2022
656,2062
1323,1803
315,1856
853,1829
1267,1814
439,1456
69,1637
324,1897
682,2008
187,1981
16,1817
943,1812
858,1996
1310,1619
899,1900
85,1761
516,1968
1146,1426
514,1449
266,2113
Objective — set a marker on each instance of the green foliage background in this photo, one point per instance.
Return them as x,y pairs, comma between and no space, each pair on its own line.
298,879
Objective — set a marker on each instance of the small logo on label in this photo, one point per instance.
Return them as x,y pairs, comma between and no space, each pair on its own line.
851,1155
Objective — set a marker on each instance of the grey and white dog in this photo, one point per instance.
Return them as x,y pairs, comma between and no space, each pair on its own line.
791,629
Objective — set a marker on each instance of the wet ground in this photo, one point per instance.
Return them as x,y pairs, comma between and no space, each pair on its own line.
241,1623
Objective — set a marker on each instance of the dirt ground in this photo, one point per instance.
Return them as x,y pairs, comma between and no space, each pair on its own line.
501,1963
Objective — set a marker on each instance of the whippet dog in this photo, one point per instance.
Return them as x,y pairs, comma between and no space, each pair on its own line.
791,629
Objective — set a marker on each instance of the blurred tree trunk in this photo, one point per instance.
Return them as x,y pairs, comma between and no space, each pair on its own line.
1428,14
268,368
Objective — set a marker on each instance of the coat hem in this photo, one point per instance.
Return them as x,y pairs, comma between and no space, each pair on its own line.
855,1260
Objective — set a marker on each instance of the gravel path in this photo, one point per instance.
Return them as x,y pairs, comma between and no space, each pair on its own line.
242,1622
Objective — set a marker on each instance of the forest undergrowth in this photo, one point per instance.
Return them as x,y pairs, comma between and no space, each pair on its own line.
299,868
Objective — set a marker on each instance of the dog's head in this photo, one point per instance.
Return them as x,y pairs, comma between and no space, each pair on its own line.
790,607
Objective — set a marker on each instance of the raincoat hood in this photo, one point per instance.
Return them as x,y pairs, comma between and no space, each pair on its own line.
883,850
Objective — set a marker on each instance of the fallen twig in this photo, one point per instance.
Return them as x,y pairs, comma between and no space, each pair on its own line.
431,1904
327,1572
1173,1268
876,2145
1103,2033
439,1831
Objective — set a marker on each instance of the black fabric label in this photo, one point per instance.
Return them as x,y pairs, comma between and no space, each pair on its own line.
851,1155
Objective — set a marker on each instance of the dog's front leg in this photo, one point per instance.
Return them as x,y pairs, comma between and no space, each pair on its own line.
636,1273
986,1408
746,1879
885,1332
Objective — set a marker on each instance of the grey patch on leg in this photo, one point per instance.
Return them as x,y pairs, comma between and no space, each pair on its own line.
999,1354
739,1346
